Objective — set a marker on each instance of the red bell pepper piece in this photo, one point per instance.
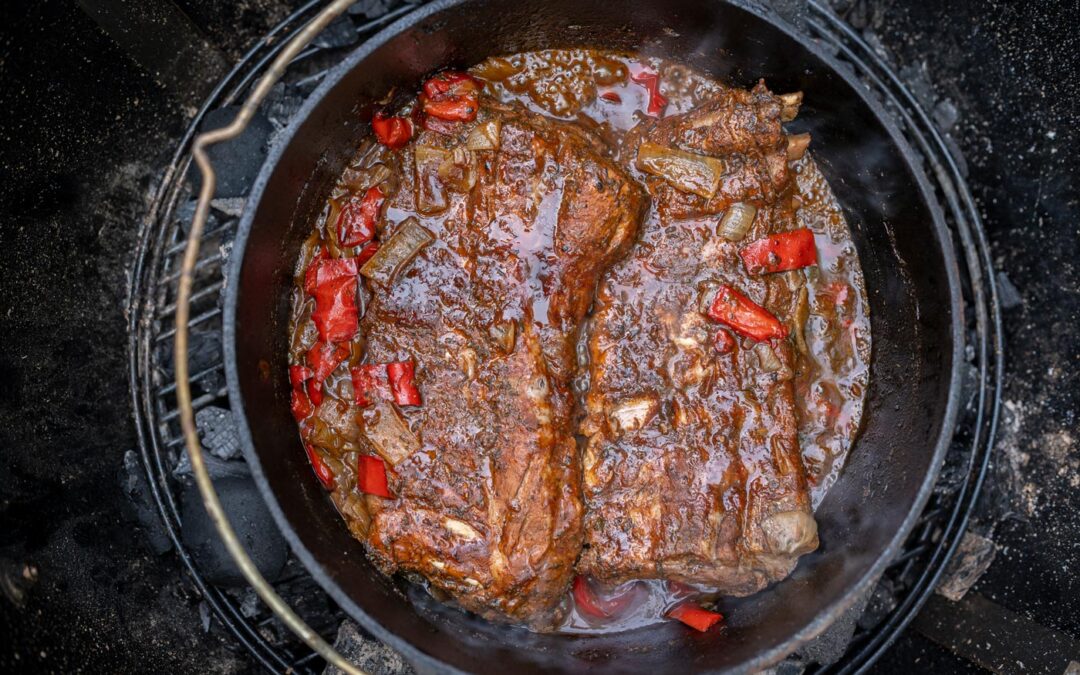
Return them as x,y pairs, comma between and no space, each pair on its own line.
401,375
611,96
323,358
322,471
393,132
744,316
593,604
451,96
724,342
333,285
365,253
694,616
371,477
356,224
780,252
298,400
369,383
651,82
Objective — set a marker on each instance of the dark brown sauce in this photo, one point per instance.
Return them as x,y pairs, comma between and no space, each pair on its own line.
594,89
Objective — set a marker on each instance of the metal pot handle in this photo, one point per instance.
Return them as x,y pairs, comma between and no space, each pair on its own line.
183,311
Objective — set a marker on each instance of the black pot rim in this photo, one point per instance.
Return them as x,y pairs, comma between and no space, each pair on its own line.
831,612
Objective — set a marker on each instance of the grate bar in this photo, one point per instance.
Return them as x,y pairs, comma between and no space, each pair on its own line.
195,321
208,235
213,288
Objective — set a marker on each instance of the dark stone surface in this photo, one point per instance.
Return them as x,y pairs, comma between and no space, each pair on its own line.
83,131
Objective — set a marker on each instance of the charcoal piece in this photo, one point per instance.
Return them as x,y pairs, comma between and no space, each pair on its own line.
827,648
217,468
218,431
366,652
882,603
250,518
972,559
141,506
946,115
185,214
237,162
204,350
230,206
372,9
340,33
281,104
1008,293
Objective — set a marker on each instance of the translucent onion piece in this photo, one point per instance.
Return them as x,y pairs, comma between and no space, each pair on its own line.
387,432
767,358
737,221
485,136
396,252
687,172
458,170
430,193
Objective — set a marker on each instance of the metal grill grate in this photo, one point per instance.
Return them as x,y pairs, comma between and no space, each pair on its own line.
910,579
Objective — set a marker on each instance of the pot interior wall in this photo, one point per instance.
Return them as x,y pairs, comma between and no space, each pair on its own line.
905,259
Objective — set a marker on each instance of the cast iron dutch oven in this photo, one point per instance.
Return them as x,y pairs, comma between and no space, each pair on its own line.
907,259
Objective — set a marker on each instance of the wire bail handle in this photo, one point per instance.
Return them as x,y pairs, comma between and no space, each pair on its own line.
183,311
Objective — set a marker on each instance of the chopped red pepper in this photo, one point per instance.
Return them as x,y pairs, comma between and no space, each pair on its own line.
724,342
651,82
369,383
356,224
365,253
323,358
333,285
401,375
371,477
744,316
452,96
780,252
593,604
322,470
694,616
393,132
298,400
611,96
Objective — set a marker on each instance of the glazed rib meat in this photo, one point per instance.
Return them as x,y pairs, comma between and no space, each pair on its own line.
692,470
488,507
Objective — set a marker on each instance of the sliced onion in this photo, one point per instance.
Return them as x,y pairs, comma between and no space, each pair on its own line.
687,172
387,432
802,313
632,414
430,193
485,136
767,358
737,221
378,174
396,252
458,170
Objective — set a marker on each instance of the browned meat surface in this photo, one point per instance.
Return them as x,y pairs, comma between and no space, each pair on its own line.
682,451
692,470
488,509
742,127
